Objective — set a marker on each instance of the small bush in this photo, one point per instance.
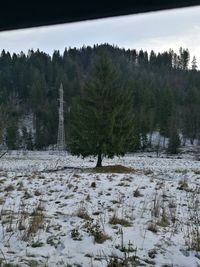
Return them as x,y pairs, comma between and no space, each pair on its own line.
152,253
148,172
37,193
137,193
75,235
37,244
116,220
95,230
115,263
83,214
93,185
183,185
9,188
53,241
152,227
99,236
2,181
2,200
164,222
196,171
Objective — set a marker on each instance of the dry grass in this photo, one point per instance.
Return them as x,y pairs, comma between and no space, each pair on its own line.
116,220
161,210
192,234
113,169
36,222
100,237
183,185
2,200
152,227
2,181
9,188
82,213
196,171
148,172
97,232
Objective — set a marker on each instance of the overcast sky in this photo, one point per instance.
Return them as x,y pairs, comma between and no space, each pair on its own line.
155,30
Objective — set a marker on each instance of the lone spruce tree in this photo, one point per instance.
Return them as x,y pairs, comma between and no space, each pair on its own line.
174,141
102,117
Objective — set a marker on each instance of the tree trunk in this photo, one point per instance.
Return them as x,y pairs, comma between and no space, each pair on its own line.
99,161
158,146
164,142
150,138
184,141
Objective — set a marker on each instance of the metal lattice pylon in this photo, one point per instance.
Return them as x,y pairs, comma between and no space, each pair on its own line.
61,129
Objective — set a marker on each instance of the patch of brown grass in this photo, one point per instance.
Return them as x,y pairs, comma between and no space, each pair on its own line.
36,222
113,169
82,213
122,221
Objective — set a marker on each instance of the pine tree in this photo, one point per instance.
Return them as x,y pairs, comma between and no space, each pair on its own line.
102,120
165,112
174,141
4,122
184,58
194,64
11,137
30,145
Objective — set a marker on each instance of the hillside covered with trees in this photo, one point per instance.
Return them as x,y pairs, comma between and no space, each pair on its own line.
165,94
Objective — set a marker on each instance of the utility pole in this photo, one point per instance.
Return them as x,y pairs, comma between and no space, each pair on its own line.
61,129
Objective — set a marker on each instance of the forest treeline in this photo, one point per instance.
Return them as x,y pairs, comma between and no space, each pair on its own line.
165,92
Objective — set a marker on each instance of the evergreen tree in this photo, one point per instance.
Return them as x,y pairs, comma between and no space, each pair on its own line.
11,137
165,112
194,64
184,58
102,120
4,122
174,141
30,145
24,137
191,114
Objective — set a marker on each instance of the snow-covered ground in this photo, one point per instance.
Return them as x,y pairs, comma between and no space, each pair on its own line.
56,211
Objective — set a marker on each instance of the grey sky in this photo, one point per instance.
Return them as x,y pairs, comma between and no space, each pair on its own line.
156,30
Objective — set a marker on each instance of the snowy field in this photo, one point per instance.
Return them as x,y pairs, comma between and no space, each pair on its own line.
55,210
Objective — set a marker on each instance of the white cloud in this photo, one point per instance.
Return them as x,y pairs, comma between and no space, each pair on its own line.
157,30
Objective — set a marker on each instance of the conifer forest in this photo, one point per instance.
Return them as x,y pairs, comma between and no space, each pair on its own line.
163,94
